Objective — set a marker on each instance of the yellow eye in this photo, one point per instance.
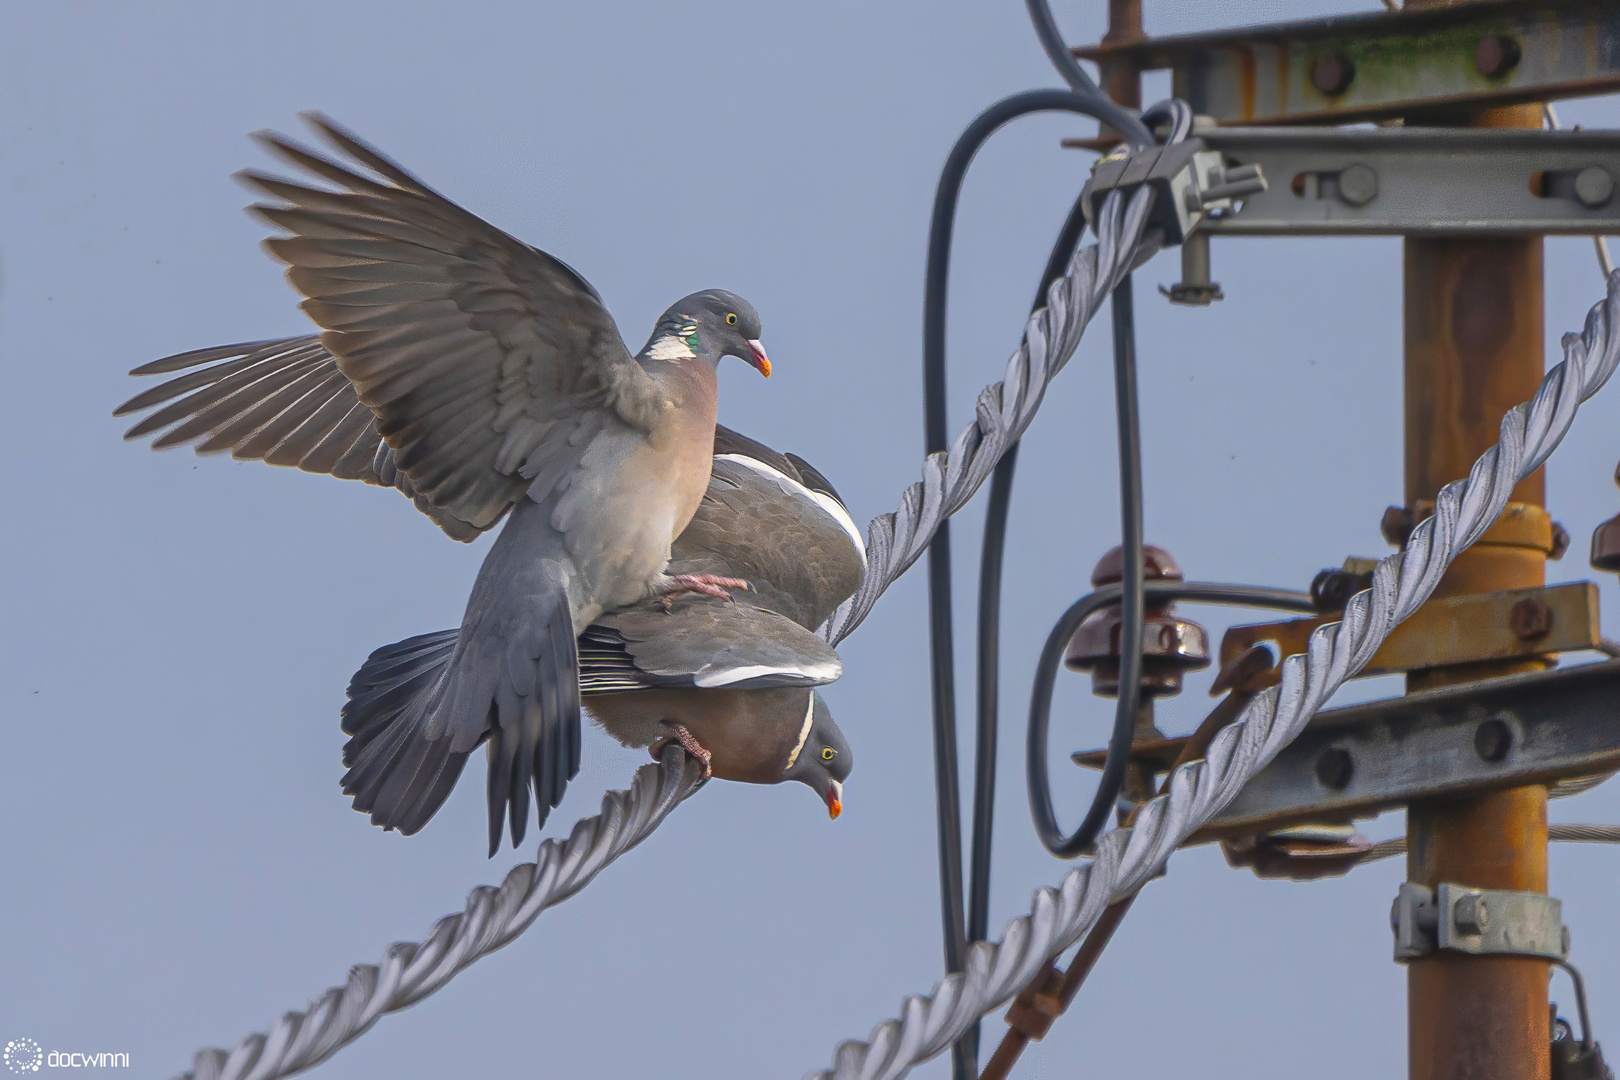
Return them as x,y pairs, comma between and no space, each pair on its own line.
828,753
731,320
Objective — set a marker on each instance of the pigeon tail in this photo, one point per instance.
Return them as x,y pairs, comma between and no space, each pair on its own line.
396,775
419,707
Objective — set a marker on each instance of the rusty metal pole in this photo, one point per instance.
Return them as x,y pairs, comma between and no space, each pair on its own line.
1121,79
1474,349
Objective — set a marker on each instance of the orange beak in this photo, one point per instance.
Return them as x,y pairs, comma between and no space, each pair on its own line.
762,363
835,799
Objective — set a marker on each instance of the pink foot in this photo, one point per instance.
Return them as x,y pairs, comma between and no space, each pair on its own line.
707,584
678,733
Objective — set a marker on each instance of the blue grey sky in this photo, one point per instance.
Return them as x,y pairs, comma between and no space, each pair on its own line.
179,867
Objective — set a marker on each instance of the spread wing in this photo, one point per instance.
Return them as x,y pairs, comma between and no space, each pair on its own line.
762,520
488,365
283,402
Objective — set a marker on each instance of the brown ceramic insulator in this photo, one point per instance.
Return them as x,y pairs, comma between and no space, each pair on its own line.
1171,645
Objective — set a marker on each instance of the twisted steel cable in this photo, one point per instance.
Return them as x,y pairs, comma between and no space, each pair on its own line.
494,916
1578,834
1127,858
1005,409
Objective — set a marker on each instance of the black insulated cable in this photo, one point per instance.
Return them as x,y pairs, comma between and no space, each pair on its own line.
941,641
1122,120
1119,743
1179,116
992,558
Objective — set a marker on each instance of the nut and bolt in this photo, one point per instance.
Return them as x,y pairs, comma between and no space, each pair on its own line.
1332,588
1333,72
1560,541
1496,55
1358,185
1334,768
1594,187
1530,618
1471,914
1492,740
1606,546
1397,525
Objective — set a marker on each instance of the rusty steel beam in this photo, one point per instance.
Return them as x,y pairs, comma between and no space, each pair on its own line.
1513,624
1360,67
1416,181
1361,760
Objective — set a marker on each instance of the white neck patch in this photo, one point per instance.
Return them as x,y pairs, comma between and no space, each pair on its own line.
804,732
671,347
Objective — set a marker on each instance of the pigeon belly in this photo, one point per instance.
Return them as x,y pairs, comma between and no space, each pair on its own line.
749,733
633,495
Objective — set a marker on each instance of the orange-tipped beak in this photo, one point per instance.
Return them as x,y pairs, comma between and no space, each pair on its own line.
763,364
835,799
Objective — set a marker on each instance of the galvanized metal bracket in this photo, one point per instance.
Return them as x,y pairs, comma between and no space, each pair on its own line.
1360,67
1421,181
1192,182
1359,760
1508,625
1479,922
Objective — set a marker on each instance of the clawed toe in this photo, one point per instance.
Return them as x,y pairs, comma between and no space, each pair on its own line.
705,584
678,733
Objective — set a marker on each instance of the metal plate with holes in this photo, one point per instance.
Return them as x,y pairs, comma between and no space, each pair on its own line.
1456,630
1357,761
1479,922
1360,67
1416,181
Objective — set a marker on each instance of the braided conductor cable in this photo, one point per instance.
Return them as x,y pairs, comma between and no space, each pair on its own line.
1127,858
493,917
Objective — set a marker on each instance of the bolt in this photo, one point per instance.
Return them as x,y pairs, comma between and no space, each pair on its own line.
1471,914
1606,545
1496,55
1332,589
1530,618
1594,187
1397,525
1333,72
1560,541
1492,740
1334,767
1358,185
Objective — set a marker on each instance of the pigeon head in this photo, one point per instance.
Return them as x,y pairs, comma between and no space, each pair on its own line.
821,759
709,325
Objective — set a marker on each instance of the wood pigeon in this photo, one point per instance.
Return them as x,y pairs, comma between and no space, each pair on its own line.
484,379
730,680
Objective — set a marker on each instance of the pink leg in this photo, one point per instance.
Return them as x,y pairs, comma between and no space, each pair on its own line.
707,584
678,733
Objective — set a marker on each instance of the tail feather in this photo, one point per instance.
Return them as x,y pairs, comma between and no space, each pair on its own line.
419,707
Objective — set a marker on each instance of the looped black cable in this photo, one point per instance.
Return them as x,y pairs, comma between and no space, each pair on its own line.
1119,743
1179,116
941,642
1117,117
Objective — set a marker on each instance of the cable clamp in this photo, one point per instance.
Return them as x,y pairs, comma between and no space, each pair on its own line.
1480,922
1192,182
